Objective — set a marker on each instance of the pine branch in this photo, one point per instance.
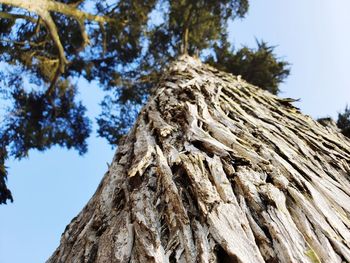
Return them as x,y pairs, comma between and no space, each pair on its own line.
43,8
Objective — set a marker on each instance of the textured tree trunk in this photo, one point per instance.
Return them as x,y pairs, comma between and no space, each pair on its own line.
217,170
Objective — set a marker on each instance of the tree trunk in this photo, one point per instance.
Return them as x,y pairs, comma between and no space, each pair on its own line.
217,170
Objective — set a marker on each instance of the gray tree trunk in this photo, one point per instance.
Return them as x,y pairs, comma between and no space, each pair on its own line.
217,170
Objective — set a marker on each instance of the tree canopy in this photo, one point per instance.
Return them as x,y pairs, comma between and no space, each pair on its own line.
46,44
343,121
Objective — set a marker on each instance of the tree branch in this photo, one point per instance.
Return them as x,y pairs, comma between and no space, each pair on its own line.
74,12
185,31
24,43
38,6
51,26
43,8
84,35
10,16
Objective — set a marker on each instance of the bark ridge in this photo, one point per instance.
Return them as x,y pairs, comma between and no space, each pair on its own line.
217,170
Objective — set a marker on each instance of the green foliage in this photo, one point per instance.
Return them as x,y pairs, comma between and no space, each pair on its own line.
343,122
5,193
37,120
258,66
124,49
204,20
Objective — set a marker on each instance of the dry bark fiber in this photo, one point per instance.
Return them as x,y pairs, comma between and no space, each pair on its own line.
217,170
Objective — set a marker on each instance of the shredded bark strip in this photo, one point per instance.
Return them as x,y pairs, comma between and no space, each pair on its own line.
217,170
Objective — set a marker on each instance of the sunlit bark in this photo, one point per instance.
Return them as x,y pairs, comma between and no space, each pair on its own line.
217,170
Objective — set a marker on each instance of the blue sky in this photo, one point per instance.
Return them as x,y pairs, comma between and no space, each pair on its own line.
50,188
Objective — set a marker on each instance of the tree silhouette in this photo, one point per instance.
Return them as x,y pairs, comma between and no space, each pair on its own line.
343,121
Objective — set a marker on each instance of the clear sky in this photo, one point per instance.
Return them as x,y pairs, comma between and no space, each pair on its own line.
50,188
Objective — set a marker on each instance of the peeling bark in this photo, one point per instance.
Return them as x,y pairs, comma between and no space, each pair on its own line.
217,170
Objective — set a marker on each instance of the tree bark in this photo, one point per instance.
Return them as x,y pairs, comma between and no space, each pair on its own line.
217,170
